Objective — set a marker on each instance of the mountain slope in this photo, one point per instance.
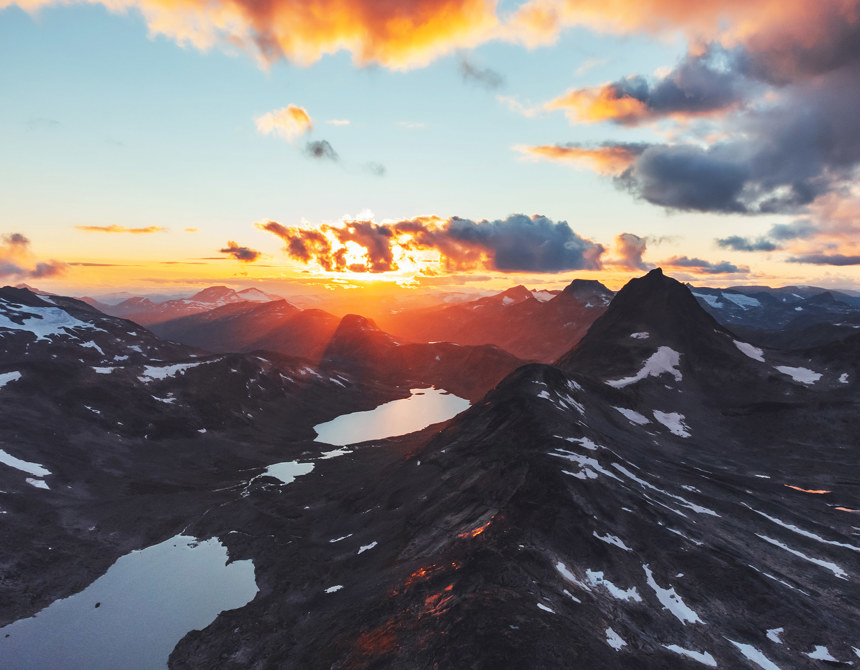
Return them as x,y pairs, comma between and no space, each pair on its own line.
568,522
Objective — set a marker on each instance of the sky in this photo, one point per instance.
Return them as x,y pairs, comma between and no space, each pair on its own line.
160,145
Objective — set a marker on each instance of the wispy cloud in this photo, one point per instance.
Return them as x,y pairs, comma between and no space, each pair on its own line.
288,122
122,229
607,159
483,77
321,150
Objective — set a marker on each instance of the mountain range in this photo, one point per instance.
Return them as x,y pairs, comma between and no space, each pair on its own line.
663,493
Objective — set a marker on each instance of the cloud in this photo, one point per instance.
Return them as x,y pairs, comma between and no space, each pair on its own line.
398,35
483,77
244,254
826,259
16,260
699,86
288,122
322,150
121,229
629,249
590,64
738,243
376,169
412,125
781,78
513,103
606,159
518,243
338,122
190,230
699,266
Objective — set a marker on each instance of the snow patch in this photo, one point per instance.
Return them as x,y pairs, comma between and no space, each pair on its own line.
774,633
821,653
664,361
7,377
640,336
671,600
589,465
38,483
611,539
43,322
569,576
674,421
802,375
741,300
632,416
545,608
333,589
749,350
835,569
366,547
614,640
755,655
597,579
700,656
24,466
338,539
153,372
843,378
712,300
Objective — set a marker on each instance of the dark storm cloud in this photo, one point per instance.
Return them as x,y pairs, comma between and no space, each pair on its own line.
518,243
791,154
484,77
322,150
244,254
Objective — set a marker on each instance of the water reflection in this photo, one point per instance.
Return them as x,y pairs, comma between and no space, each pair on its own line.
135,614
398,417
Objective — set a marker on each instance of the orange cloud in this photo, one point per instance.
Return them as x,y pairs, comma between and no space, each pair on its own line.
517,243
608,159
16,260
399,35
288,122
602,103
732,21
121,229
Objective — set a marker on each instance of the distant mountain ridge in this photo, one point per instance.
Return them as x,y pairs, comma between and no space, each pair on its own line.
515,320
146,312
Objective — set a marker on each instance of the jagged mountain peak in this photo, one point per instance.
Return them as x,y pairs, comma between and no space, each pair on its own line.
655,324
517,293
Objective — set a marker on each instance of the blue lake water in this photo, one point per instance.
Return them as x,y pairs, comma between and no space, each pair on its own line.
398,417
148,601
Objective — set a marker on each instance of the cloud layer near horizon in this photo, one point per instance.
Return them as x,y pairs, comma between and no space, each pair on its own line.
518,243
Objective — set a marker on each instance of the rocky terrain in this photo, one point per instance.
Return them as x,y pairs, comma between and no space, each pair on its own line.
665,495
